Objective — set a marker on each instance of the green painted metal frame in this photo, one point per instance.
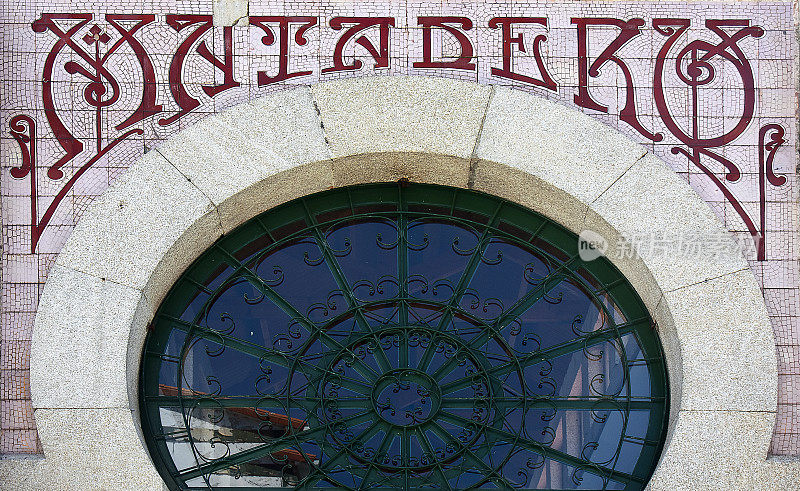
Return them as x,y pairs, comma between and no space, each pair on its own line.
307,219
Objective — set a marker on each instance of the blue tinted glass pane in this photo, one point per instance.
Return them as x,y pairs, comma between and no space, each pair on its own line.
385,349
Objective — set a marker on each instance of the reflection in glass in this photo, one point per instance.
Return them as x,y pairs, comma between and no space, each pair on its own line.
403,337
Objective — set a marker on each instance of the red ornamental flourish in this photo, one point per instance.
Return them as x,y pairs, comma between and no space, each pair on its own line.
694,65
361,24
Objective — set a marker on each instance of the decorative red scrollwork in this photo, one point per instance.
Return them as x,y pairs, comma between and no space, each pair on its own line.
506,24
628,30
464,60
202,23
262,22
694,66
766,155
69,143
102,90
23,129
381,56
90,46
147,105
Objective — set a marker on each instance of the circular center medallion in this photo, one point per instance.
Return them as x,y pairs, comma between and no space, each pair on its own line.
406,397
392,337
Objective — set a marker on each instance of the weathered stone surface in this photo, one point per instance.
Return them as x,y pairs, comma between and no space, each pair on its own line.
133,229
393,166
560,145
671,345
682,241
80,344
145,230
84,449
228,157
401,114
230,12
530,191
726,343
717,450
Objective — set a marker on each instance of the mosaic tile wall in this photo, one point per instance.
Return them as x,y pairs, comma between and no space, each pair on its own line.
88,87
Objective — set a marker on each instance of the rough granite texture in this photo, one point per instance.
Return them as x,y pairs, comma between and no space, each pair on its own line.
133,233
529,133
774,61
664,208
276,134
405,114
529,190
230,12
391,167
77,304
727,371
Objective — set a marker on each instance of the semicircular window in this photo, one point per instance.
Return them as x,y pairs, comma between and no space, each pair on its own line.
403,336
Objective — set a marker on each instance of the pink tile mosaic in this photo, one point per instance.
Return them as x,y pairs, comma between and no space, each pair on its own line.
88,87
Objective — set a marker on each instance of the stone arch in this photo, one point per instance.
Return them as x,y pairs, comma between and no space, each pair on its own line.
172,204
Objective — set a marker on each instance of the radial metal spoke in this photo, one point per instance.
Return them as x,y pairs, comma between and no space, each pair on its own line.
533,296
269,448
244,272
426,447
248,274
594,338
388,437
405,454
463,283
541,449
580,404
210,401
469,455
366,371
340,456
398,391
341,280
402,265
267,354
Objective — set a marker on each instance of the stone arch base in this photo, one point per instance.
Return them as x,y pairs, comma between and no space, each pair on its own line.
171,205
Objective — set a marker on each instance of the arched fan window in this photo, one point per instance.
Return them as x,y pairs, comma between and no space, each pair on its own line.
403,336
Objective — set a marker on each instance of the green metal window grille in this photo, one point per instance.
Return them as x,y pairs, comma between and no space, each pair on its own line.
403,336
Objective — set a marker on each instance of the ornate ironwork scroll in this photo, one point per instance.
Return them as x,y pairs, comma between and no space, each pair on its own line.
403,337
